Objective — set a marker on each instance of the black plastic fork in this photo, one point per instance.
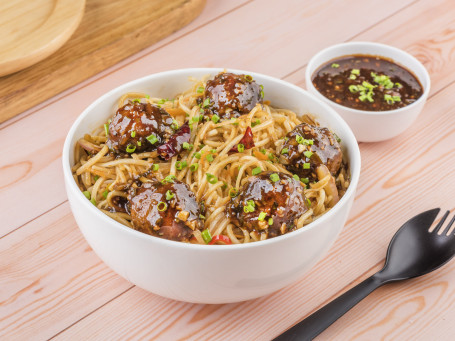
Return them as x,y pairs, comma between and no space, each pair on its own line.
414,250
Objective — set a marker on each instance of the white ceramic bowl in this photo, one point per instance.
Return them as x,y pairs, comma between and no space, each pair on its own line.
371,126
208,273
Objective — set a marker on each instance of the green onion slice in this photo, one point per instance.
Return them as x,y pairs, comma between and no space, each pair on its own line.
152,139
169,195
206,236
212,179
87,194
215,119
180,165
130,148
274,177
106,129
262,216
194,167
162,206
240,147
256,171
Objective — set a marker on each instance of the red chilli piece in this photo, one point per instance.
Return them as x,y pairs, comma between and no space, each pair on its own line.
247,141
175,143
220,238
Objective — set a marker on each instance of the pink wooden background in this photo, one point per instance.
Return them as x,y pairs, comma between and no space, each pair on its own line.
52,285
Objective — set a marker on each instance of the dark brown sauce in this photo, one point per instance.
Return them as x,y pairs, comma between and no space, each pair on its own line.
389,85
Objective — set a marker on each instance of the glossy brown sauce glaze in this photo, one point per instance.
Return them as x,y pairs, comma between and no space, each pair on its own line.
306,147
367,82
133,123
269,203
229,95
165,209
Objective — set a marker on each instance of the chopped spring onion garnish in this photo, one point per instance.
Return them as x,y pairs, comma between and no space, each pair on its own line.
197,155
284,151
337,137
305,180
355,72
106,129
249,206
169,178
262,93
133,133
206,102
201,216
147,96
161,101
155,167
262,216
180,165
200,90
152,139
215,119
212,179
96,177
175,125
169,195
195,118
391,99
335,65
308,202
137,100
232,192
308,153
162,206
130,148
398,85
299,139
263,151
209,158
306,165
93,201
105,193
194,167
240,147
274,177
353,88
224,185
187,146
248,78
213,151
382,80
206,236
139,143
352,77
309,142
87,194
256,171
270,221
296,177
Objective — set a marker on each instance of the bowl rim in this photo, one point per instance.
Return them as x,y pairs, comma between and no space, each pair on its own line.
71,186
387,48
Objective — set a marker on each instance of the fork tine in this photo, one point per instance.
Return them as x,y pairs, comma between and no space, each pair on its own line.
450,224
441,222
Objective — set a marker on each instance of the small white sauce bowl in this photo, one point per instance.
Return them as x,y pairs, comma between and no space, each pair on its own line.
208,273
373,126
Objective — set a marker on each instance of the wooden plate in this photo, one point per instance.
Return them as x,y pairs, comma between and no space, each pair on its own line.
32,30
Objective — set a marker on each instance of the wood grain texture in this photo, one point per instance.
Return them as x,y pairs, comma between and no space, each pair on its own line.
79,298
33,30
109,32
28,165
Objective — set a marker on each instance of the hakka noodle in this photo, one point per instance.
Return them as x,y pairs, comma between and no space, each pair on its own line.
217,164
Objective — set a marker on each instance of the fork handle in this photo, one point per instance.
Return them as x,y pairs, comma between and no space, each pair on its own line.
317,322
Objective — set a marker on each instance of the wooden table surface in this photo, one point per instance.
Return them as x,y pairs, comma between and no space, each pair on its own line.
52,285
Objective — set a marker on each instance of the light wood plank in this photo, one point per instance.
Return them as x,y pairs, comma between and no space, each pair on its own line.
50,278
361,247
29,176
